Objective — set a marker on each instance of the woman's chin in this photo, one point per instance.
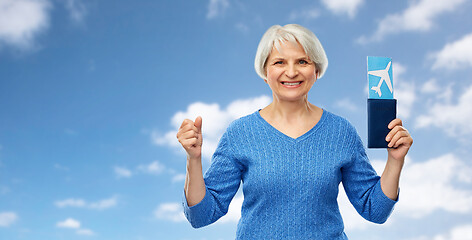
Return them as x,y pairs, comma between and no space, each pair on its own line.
291,97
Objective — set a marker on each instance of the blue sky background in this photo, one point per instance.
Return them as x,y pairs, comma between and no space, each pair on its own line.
92,93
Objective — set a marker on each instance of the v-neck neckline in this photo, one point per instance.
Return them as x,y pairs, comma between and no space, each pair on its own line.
285,136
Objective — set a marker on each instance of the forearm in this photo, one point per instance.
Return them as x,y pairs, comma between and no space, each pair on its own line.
400,142
194,184
391,177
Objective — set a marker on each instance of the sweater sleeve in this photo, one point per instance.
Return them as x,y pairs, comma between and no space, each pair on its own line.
222,181
362,186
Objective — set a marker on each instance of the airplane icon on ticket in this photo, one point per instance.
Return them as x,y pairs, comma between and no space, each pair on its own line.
384,73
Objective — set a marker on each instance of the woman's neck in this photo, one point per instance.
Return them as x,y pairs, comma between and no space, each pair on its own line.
290,110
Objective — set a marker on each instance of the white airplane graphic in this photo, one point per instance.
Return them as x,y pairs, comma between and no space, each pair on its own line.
383,74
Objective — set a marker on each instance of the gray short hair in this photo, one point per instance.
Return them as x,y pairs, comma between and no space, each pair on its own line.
293,33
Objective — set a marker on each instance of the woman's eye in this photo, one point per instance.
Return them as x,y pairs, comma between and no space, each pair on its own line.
278,62
303,62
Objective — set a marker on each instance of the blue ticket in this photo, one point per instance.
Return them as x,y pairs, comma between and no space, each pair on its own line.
379,74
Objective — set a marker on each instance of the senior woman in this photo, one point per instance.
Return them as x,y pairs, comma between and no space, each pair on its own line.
290,155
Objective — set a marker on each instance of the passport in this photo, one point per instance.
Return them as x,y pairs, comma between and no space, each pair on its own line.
381,106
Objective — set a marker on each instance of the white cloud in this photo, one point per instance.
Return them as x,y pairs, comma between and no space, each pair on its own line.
398,70
70,203
430,87
104,204
435,184
86,232
346,103
452,118
216,8
80,203
420,238
7,219
404,91
69,223
419,16
215,121
454,55
71,132
307,14
463,232
152,168
170,211
77,10
74,224
22,20
348,7
405,94
60,167
4,190
122,172
440,93
242,27
425,187
178,177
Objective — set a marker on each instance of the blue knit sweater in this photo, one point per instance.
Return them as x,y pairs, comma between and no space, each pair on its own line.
290,186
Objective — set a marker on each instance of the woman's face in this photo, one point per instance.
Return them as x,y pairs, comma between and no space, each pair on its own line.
290,72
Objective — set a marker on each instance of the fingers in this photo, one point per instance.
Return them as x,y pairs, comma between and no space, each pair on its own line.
398,135
188,143
187,125
394,123
405,141
189,133
198,124
395,142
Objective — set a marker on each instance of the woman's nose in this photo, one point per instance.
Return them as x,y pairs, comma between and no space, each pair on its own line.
291,71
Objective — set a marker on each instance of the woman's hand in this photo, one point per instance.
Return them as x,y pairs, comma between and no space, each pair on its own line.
399,140
190,136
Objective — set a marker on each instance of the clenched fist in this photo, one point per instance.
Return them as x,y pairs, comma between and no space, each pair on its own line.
190,136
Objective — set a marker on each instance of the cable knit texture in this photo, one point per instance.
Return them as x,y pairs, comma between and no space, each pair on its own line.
290,186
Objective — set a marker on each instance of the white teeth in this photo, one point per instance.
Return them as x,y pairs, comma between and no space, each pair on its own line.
291,84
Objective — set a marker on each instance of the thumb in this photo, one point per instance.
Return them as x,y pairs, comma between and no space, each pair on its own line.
198,124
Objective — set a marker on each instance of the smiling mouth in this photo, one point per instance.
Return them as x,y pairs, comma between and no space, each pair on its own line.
291,83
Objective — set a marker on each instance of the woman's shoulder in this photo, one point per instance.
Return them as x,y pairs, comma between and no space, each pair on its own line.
335,118
343,128
339,122
240,127
243,122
